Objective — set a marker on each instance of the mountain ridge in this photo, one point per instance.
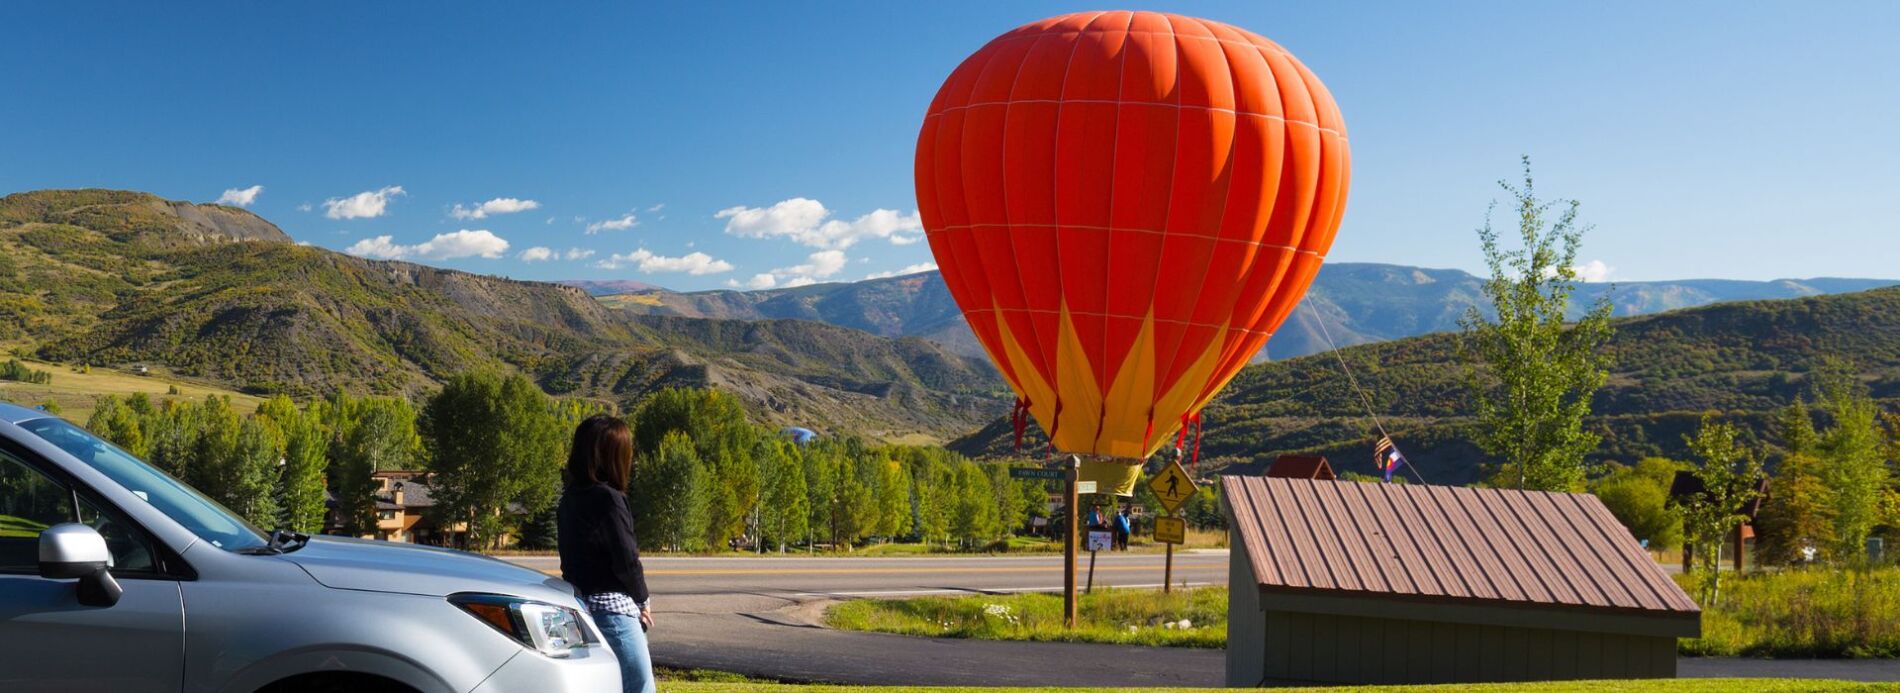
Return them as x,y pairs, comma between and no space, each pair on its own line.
1361,303
220,295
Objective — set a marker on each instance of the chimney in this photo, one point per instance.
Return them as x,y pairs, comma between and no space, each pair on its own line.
396,495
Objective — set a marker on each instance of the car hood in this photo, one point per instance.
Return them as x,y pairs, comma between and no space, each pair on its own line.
382,566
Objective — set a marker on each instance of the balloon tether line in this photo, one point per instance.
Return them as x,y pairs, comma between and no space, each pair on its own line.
1354,382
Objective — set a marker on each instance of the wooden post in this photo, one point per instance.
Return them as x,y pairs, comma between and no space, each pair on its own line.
1074,472
1090,589
1167,573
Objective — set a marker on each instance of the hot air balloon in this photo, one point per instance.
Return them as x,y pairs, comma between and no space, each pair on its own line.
1125,206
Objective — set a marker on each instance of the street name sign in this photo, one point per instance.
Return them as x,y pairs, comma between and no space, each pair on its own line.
1172,486
1035,473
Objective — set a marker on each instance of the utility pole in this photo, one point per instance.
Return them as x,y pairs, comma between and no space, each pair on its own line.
1072,475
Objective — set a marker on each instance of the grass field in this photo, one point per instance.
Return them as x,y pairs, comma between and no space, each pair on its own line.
1134,617
1662,685
1804,613
1793,613
76,392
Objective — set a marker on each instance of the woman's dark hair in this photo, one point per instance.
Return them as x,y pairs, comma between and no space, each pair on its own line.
602,453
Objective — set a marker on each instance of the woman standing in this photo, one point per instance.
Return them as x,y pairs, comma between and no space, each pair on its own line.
599,555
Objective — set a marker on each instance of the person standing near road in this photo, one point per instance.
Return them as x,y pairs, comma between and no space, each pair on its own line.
599,555
1122,529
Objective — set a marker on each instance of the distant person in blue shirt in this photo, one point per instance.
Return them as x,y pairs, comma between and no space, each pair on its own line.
1123,529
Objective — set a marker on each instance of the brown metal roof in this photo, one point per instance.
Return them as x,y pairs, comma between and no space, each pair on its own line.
1445,543
1301,467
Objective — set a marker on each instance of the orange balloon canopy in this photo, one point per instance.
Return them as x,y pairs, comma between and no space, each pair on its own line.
1126,205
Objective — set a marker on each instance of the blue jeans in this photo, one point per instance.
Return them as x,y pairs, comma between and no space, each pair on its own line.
629,643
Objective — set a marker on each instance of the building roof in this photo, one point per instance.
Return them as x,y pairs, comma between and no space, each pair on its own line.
1301,467
1445,544
1686,484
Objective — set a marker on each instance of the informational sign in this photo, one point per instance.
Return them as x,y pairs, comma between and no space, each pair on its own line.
1172,486
1101,541
1035,473
1170,530
1084,487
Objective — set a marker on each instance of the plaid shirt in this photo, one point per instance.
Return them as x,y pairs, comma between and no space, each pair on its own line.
612,603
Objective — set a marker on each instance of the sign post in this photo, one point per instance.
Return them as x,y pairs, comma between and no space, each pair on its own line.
1073,469
1172,487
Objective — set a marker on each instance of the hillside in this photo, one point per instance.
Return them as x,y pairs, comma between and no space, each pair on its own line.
220,296
1743,359
1362,303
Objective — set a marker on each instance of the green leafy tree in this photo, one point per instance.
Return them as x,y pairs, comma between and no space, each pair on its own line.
114,420
669,487
784,510
935,486
1639,498
170,431
1531,372
893,499
496,446
822,467
974,521
1730,475
1012,507
1853,461
379,434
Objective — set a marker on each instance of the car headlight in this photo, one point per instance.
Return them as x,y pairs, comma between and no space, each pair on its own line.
542,627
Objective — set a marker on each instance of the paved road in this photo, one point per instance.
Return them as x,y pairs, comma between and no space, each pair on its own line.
760,616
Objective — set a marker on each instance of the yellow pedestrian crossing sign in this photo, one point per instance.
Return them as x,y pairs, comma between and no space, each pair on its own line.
1172,486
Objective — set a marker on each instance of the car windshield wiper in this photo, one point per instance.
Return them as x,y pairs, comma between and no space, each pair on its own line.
281,541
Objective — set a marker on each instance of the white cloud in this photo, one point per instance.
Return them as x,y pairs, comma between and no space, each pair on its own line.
364,205
908,269
690,263
305,207
621,224
240,197
537,254
499,205
578,254
658,207
806,221
1594,271
818,265
446,246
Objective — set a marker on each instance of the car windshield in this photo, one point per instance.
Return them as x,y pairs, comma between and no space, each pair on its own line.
204,517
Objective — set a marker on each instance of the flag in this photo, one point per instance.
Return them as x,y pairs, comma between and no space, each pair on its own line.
1386,456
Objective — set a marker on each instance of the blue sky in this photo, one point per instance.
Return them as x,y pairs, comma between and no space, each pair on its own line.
1739,140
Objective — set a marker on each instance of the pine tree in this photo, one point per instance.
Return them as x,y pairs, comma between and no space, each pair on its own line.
300,483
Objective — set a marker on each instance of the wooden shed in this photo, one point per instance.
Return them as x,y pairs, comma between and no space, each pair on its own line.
1345,582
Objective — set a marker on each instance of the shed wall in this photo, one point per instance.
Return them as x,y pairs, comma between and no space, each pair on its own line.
1350,649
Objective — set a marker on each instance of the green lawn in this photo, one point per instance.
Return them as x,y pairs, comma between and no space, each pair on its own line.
1135,617
1673,685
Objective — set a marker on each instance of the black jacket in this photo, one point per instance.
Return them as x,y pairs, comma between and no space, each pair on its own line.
598,550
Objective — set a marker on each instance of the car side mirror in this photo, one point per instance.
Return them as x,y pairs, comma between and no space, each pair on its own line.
73,550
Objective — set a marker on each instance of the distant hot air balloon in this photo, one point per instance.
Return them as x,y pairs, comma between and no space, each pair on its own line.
1125,206
799,436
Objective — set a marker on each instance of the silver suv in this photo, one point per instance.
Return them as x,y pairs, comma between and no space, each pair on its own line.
116,577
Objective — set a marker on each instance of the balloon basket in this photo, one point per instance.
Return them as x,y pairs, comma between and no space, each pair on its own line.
1112,475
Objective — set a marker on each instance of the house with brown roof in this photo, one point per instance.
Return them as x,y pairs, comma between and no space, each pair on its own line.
1301,467
1345,582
